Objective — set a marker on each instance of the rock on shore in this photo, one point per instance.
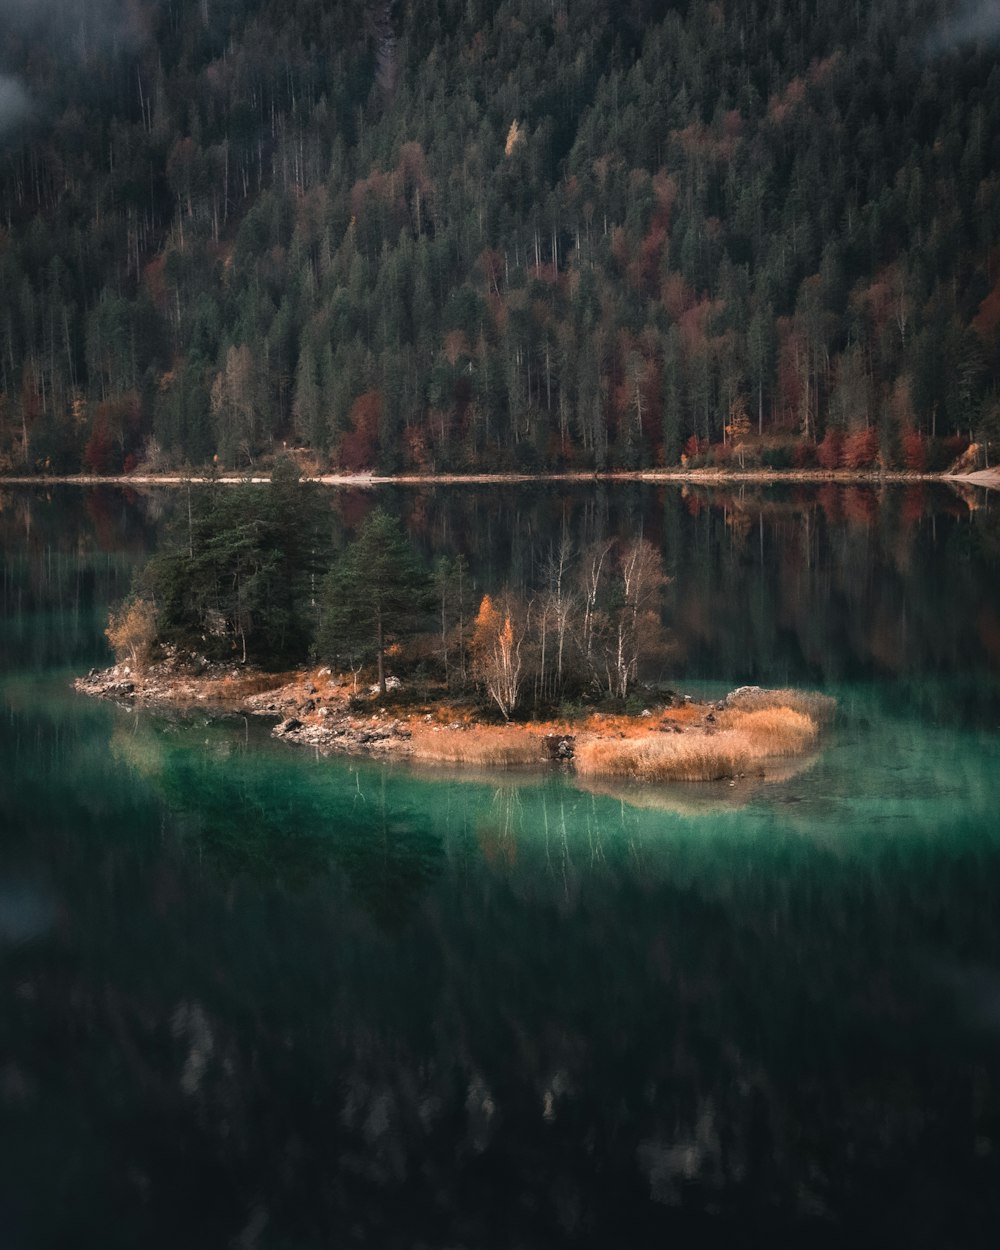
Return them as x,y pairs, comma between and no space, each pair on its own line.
307,713
345,733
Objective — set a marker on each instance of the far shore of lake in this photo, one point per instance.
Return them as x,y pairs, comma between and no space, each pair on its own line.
988,478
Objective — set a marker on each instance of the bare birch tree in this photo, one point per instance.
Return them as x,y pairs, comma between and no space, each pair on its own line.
621,622
496,654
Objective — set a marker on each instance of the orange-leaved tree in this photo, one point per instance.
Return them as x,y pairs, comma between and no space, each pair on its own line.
495,649
132,631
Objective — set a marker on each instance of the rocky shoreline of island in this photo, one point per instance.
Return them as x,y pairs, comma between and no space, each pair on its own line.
675,737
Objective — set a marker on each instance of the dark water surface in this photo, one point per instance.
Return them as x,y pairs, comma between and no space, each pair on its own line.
255,999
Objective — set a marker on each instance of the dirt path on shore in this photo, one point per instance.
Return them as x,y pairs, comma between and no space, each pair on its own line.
990,478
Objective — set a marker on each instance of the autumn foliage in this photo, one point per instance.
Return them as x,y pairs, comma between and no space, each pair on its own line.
860,450
828,452
496,655
572,259
359,444
743,742
132,631
914,451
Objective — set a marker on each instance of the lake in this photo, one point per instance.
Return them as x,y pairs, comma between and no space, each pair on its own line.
255,998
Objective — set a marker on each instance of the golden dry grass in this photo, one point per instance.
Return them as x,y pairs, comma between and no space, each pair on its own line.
507,747
245,684
695,758
741,741
771,731
821,707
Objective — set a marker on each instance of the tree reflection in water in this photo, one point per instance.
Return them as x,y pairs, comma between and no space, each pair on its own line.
251,998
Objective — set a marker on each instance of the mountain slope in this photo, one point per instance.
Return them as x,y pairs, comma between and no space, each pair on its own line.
447,235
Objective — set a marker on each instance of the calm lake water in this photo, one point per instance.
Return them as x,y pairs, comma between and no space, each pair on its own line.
255,999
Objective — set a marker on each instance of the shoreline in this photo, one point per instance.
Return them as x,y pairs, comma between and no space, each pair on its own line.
984,478
675,738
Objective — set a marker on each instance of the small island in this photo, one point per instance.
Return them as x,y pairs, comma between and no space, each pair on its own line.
674,739
252,608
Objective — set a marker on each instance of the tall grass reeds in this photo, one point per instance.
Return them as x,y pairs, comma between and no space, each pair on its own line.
740,742
508,747
821,707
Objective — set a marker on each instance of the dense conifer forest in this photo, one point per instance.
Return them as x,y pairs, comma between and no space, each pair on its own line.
445,235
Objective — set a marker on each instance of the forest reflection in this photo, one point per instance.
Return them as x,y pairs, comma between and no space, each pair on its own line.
798,584
312,996
338,990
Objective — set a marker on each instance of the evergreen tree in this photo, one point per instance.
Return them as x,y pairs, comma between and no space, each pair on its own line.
239,577
375,595
226,229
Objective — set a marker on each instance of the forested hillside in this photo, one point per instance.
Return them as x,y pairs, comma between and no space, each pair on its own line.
497,234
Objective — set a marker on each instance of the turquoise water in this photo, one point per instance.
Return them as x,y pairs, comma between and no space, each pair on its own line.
252,997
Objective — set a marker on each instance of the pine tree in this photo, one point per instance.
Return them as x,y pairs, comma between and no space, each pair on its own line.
375,595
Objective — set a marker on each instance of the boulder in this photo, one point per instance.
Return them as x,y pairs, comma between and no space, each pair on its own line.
391,684
741,692
559,746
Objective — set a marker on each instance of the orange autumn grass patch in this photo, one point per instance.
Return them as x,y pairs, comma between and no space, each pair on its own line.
497,747
241,684
741,742
624,725
821,707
